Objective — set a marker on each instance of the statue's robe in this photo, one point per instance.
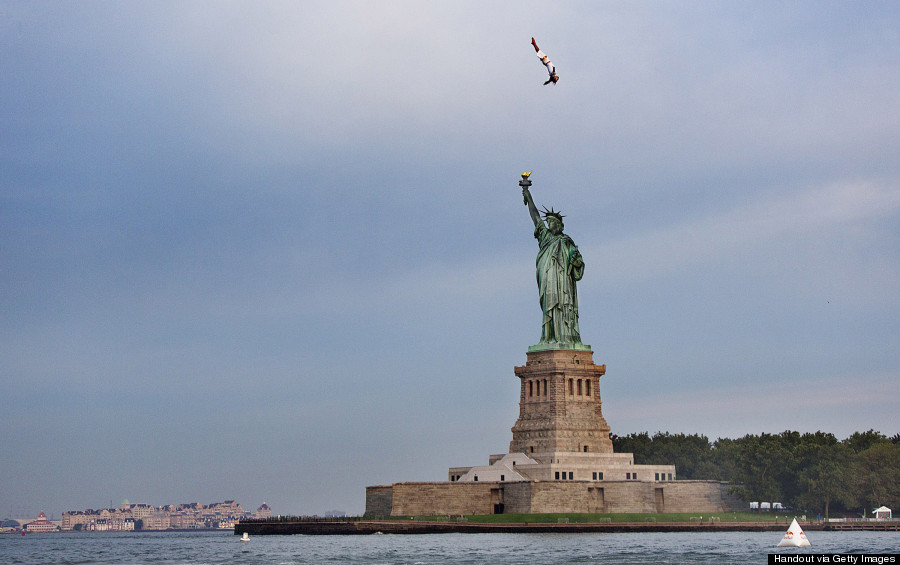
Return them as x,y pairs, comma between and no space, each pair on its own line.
556,278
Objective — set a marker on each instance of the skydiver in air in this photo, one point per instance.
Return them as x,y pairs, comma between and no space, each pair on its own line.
547,63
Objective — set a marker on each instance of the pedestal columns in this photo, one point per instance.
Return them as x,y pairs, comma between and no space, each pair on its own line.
559,405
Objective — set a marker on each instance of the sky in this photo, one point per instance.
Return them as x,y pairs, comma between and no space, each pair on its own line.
278,252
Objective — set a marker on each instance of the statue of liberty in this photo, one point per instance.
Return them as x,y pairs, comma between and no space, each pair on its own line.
558,267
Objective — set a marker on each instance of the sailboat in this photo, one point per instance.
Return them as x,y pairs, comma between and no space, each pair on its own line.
794,537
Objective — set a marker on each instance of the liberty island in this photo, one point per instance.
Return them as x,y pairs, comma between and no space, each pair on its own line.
561,464
561,457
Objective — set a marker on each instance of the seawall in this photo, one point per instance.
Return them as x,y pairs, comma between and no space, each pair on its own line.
365,527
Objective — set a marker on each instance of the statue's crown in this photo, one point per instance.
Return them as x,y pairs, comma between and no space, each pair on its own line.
552,212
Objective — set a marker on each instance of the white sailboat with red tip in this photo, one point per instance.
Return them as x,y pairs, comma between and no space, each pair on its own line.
794,537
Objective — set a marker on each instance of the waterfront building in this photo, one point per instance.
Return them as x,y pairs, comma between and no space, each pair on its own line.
263,512
42,524
75,519
128,517
156,521
138,511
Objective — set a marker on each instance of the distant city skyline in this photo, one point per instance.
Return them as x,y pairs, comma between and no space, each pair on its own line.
57,516
279,252
139,516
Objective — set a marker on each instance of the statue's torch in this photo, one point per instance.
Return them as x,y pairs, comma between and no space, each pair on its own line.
525,183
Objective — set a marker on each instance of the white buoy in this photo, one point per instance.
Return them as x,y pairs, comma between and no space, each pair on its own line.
246,537
794,537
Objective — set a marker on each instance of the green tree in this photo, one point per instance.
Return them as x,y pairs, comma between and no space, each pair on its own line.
762,462
686,452
812,471
826,475
861,441
877,469
637,443
722,463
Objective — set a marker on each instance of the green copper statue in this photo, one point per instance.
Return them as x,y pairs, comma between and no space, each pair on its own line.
559,267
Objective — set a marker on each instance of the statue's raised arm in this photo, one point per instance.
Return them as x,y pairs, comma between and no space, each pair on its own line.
526,195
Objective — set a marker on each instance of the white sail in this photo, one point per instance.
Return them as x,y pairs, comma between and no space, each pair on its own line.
794,537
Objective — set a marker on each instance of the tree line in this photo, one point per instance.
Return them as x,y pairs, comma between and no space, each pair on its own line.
810,472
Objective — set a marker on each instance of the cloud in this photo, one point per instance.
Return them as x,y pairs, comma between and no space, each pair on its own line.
821,211
219,212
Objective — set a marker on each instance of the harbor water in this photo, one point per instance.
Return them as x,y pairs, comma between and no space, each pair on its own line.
212,548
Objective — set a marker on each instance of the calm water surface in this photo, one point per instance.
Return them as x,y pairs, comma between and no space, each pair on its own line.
212,548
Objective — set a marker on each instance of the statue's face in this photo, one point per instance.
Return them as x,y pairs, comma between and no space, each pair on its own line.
554,225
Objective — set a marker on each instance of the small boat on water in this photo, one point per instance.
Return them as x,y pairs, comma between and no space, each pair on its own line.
245,537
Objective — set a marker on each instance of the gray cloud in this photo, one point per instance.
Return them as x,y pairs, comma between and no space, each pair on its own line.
305,216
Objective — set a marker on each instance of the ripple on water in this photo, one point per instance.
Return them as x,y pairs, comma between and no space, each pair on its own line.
220,548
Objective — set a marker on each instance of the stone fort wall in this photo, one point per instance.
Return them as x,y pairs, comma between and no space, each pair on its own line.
438,498
456,498
378,500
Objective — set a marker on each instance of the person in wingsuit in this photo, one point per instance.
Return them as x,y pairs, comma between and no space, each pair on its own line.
551,68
